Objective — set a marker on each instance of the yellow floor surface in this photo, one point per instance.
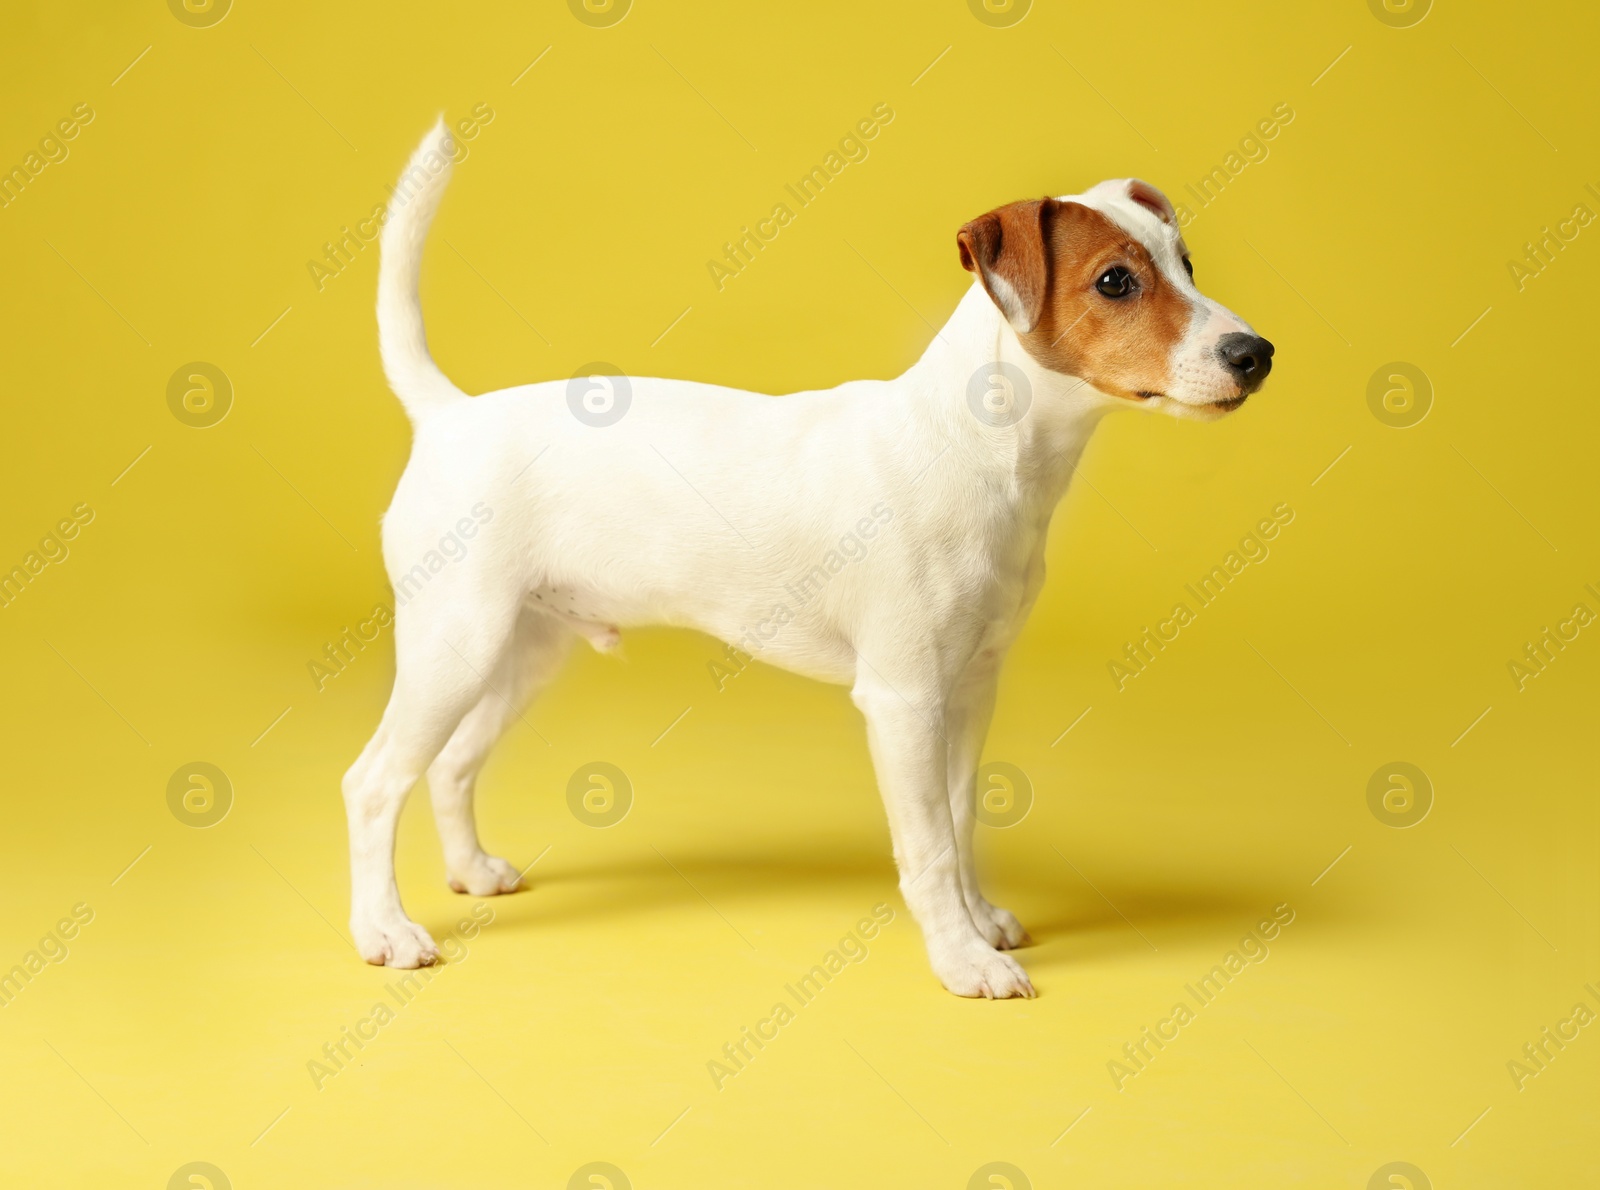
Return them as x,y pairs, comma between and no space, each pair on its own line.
1314,893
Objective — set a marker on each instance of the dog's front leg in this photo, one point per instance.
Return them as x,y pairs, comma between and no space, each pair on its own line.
909,753
967,719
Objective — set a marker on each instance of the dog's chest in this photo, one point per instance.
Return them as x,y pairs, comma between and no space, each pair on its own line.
1014,580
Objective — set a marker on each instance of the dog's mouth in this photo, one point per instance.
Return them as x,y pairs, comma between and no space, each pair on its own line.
1224,406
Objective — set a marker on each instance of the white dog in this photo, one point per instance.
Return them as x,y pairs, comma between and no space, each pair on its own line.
671,502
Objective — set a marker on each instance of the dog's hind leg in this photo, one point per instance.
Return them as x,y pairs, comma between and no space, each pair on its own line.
444,649
967,718
538,646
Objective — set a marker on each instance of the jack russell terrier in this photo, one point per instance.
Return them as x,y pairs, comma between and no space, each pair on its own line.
678,503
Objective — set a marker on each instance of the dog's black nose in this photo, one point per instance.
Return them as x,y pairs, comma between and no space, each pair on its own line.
1248,357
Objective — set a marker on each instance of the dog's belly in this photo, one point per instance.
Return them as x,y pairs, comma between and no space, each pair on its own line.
778,634
576,605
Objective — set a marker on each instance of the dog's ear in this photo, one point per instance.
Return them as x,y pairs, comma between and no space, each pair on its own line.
1152,200
1006,249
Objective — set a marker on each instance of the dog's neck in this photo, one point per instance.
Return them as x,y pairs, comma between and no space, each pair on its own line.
1040,448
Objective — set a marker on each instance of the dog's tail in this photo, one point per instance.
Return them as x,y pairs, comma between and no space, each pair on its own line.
422,388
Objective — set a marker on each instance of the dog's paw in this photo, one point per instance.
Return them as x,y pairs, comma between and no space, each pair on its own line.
398,942
486,876
999,927
980,970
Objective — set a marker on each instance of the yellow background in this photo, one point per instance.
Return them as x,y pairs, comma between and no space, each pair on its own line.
1223,781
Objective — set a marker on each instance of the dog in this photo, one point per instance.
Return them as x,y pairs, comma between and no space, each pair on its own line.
678,503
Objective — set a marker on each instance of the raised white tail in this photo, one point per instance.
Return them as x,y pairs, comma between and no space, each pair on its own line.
416,379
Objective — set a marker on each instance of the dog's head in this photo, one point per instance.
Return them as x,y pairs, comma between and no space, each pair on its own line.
1099,286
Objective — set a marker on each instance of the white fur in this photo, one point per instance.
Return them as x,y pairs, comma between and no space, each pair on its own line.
703,507
1010,303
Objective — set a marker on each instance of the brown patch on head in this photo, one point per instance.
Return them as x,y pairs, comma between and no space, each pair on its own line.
1040,262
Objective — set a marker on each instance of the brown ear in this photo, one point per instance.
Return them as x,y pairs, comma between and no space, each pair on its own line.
1006,249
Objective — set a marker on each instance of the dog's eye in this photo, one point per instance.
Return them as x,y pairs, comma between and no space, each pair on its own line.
1116,282
1189,267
